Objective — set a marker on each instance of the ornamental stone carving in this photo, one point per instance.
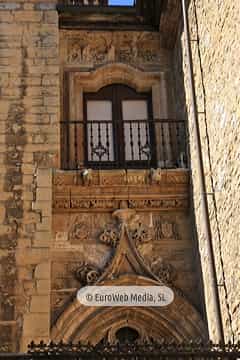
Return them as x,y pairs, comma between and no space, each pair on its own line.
110,237
165,229
141,235
163,270
78,233
89,48
87,274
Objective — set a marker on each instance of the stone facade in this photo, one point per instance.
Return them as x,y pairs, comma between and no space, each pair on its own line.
60,231
29,123
216,71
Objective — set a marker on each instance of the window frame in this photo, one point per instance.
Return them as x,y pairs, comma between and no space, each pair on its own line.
117,93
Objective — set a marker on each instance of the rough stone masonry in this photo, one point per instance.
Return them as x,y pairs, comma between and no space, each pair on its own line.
216,70
29,140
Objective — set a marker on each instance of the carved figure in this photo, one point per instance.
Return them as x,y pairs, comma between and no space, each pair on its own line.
87,175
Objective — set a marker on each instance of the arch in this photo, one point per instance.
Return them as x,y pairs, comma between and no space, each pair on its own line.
119,73
179,321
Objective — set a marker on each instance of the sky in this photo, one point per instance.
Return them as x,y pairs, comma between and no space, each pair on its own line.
120,2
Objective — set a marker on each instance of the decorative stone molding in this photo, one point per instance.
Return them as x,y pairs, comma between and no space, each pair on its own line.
86,274
141,235
79,232
123,177
163,270
148,204
110,237
165,229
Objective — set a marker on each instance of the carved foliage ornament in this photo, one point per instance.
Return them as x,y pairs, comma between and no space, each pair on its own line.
139,234
110,237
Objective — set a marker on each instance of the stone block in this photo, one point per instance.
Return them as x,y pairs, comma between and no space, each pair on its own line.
44,178
40,304
31,256
45,224
6,16
45,207
43,287
50,17
36,325
42,239
44,194
28,16
42,271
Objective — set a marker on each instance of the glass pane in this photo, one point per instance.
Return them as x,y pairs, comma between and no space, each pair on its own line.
136,130
100,131
98,110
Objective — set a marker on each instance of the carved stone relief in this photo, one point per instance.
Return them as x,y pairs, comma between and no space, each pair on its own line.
110,236
165,229
87,274
79,233
164,271
89,48
141,235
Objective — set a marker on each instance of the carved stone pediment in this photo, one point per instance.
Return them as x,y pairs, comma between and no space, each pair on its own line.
126,259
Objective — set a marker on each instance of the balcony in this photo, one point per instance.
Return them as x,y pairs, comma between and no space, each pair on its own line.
99,14
132,144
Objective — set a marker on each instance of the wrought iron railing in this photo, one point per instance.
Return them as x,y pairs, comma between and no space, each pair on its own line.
123,144
148,351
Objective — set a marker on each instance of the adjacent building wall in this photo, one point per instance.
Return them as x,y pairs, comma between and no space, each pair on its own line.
29,142
216,68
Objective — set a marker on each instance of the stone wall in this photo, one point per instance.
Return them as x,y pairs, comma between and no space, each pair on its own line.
29,141
216,69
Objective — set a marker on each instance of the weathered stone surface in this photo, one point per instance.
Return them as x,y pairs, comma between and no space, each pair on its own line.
217,87
28,37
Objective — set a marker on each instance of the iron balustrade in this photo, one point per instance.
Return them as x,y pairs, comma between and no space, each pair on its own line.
123,144
148,351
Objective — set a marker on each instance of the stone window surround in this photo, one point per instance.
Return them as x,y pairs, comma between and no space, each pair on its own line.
77,82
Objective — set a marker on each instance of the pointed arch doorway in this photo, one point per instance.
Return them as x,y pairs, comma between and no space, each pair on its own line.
178,321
